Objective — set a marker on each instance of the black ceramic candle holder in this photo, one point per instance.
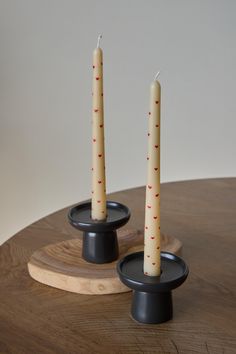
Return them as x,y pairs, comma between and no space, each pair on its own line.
152,298
100,244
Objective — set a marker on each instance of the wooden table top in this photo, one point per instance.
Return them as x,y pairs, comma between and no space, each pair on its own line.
35,318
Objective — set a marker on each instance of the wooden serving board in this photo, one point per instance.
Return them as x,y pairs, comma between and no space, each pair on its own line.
61,266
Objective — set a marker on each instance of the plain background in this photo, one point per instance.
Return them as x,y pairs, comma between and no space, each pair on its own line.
45,96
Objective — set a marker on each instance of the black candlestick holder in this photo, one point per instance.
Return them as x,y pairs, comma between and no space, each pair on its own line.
100,244
152,297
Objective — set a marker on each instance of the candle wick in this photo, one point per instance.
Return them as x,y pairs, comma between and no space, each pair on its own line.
157,74
98,42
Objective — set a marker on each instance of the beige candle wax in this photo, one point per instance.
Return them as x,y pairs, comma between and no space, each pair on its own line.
152,234
98,151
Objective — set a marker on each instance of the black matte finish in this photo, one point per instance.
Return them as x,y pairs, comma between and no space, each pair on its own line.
152,307
152,298
100,247
100,243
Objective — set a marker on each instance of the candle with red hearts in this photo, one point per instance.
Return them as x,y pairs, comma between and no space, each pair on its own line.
98,151
152,234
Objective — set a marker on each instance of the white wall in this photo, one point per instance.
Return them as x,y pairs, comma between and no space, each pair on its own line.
45,96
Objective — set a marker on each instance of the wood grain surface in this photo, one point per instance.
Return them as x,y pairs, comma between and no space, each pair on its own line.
35,318
61,264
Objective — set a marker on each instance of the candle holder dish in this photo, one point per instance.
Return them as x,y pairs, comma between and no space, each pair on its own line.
100,243
152,297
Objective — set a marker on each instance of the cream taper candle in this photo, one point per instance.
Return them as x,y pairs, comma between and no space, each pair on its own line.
98,153
152,234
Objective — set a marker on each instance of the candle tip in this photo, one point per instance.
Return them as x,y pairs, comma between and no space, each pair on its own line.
98,42
157,74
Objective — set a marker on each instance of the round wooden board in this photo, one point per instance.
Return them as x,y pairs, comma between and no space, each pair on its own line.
61,266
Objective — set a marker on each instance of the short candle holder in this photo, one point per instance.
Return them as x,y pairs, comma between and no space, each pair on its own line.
152,297
100,243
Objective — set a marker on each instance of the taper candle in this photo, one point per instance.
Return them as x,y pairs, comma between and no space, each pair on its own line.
98,151
152,234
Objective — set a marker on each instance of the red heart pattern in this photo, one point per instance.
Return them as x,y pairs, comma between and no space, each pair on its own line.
152,233
99,187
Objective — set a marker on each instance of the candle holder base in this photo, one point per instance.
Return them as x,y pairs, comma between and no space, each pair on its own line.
61,265
152,297
100,243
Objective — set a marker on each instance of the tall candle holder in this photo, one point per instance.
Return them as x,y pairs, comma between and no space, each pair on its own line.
152,297
100,243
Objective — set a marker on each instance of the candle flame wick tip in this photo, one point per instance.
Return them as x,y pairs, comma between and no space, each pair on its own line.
99,38
157,74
